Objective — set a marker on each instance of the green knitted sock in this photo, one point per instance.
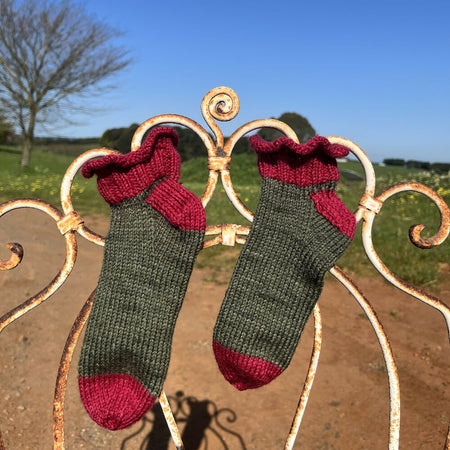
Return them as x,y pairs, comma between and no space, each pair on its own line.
300,229
157,228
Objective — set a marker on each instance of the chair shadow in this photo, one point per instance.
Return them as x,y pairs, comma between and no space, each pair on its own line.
201,422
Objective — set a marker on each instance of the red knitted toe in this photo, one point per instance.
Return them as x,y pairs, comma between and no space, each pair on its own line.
114,401
243,371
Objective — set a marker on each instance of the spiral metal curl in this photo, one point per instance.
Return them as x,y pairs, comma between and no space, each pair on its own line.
415,231
416,239
15,258
222,104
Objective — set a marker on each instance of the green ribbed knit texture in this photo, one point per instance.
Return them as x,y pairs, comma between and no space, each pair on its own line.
146,269
279,274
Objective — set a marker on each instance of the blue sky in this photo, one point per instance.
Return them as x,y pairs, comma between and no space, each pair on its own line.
376,72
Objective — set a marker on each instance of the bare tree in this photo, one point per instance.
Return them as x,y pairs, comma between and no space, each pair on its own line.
5,129
51,53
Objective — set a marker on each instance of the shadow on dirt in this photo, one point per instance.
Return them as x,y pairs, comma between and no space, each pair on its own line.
201,424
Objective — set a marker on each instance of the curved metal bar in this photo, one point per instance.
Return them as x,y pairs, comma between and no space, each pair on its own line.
170,420
304,396
255,125
394,385
15,258
33,203
64,272
194,126
369,172
231,142
415,230
447,440
175,119
433,241
63,370
66,185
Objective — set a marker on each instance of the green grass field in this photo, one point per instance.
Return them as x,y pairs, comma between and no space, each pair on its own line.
421,267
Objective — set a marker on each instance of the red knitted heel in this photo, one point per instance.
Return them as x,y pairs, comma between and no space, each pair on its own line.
243,371
114,400
180,207
330,206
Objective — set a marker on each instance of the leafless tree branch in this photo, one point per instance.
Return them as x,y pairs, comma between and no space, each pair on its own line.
50,53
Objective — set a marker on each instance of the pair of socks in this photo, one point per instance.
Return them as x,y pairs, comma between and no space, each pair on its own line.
157,228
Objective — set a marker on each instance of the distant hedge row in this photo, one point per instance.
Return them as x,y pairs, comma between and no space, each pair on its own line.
65,140
413,164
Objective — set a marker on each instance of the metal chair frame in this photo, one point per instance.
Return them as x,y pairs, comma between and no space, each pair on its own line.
222,104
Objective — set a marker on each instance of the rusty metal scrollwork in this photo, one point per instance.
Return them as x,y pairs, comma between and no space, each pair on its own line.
222,104
17,252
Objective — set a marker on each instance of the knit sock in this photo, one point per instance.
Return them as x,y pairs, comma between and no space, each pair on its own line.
300,229
156,230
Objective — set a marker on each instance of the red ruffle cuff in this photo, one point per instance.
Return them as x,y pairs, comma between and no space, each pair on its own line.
124,176
313,162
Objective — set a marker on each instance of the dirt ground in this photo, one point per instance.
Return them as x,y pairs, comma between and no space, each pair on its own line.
348,407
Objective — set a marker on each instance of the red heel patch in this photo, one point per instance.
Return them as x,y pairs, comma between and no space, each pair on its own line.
330,206
180,207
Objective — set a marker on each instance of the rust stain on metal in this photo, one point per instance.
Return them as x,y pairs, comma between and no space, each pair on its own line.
33,203
70,222
16,256
219,163
220,153
370,203
394,385
71,254
213,229
170,420
34,301
369,171
63,370
211,242
307,385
